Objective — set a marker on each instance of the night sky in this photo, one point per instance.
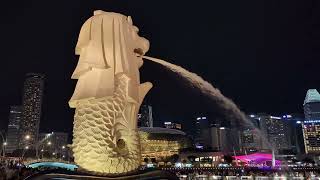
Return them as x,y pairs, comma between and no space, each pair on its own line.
262,54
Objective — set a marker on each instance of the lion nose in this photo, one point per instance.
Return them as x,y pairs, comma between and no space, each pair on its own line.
144,45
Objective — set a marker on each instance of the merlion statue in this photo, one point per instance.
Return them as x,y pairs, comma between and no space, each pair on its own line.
108,94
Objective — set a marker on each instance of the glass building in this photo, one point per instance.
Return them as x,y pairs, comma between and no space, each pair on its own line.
274,128
202,133
31,111
311,125
13,128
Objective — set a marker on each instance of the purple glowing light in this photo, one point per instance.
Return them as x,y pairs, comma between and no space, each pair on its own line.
256,158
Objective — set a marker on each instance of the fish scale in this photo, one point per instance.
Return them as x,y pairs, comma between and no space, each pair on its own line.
95,128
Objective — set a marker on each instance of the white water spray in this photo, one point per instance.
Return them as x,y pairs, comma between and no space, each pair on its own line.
229,108
226,104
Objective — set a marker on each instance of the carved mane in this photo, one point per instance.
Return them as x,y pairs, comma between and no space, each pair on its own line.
106,45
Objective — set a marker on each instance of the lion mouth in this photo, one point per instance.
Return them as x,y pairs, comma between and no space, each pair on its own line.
138,52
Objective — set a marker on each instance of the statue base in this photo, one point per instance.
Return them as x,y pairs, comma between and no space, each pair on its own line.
141,175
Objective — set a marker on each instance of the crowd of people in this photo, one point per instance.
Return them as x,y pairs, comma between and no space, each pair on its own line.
13,169
206,174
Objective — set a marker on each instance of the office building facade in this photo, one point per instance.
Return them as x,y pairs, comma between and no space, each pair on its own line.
31,111
274,128
202,136
15,117
311,125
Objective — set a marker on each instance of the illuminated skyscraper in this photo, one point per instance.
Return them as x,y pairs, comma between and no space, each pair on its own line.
311,125
31,112
250,139
145,118
294,131
202,133
15,117
274,128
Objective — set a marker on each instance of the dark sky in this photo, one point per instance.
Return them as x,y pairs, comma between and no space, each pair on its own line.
262,54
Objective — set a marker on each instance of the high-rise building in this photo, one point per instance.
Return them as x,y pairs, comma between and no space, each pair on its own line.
15,116
274,128
311,125
215,137
172,125
202,133
250,138
31,110
294,132
145,118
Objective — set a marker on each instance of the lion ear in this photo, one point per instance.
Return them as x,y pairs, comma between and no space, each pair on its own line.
97,12
130,20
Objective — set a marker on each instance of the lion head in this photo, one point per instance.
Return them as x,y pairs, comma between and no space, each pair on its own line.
108,45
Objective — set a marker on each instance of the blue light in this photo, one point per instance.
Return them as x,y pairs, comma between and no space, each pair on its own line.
71,167
199,146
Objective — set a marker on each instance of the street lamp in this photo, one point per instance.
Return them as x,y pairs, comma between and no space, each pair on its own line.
49,143
3,145
4,148
27,137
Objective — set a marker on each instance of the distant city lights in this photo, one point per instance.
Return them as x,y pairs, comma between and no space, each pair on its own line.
275,117
199,118
311,121
287,116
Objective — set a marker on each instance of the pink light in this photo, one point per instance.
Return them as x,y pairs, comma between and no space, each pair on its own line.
256,158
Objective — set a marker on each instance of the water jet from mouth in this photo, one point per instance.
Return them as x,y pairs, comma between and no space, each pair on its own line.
227,106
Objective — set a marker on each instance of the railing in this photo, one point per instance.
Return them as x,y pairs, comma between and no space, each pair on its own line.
31,161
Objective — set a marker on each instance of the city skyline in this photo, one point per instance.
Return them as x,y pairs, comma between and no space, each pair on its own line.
255,66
